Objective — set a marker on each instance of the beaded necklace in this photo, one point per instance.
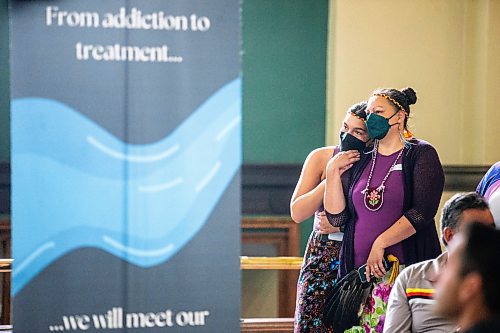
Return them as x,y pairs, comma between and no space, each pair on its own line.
374,196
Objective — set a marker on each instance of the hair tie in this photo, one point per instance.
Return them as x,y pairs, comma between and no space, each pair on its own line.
393,101
357,116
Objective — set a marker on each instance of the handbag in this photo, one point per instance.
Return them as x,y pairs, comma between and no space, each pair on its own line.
346,300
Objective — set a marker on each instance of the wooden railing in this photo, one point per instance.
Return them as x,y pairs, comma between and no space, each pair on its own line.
6,265
285,234
265,325
6,328
292,263
5,270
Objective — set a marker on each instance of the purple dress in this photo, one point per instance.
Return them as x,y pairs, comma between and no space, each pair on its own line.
370,224
422,183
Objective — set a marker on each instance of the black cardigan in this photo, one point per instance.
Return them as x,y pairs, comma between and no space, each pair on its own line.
423,186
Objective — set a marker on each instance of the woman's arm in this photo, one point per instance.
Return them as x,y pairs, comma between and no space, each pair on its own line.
308,193
324,226
334,200
399,231
428,184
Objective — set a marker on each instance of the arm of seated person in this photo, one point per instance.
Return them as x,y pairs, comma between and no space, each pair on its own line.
398,317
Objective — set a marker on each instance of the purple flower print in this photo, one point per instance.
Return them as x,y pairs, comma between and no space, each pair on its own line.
380,325
369,305
382,291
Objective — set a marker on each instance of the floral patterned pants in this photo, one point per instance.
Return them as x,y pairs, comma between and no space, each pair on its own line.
317,276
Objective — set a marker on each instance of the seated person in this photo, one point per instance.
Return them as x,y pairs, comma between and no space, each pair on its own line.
410,306
490,182
467,291
489,188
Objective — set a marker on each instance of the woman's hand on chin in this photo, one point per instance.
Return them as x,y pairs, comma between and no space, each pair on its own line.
341,162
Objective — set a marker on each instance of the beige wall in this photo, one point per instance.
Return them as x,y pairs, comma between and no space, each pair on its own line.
447,50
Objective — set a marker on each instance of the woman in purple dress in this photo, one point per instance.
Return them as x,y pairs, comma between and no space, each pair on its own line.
393,196
319,269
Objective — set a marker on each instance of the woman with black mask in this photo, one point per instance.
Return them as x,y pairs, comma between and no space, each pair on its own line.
392,198
319,268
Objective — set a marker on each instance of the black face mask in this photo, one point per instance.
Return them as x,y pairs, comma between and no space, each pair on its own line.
350,142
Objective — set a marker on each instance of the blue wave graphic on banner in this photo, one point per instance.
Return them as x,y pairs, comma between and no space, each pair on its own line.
75,185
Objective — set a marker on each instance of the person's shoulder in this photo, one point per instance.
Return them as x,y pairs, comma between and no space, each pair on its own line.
420,144
418,269
421,148
318,158
325,150
493,170
322,153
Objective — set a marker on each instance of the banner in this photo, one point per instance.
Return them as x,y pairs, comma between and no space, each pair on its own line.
126,154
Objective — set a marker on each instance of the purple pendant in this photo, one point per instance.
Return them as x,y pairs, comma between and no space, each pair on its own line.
374,198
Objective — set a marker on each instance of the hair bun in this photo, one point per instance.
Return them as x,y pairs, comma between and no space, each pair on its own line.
410,94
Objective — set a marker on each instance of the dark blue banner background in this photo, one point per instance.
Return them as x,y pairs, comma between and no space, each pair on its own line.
126,151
